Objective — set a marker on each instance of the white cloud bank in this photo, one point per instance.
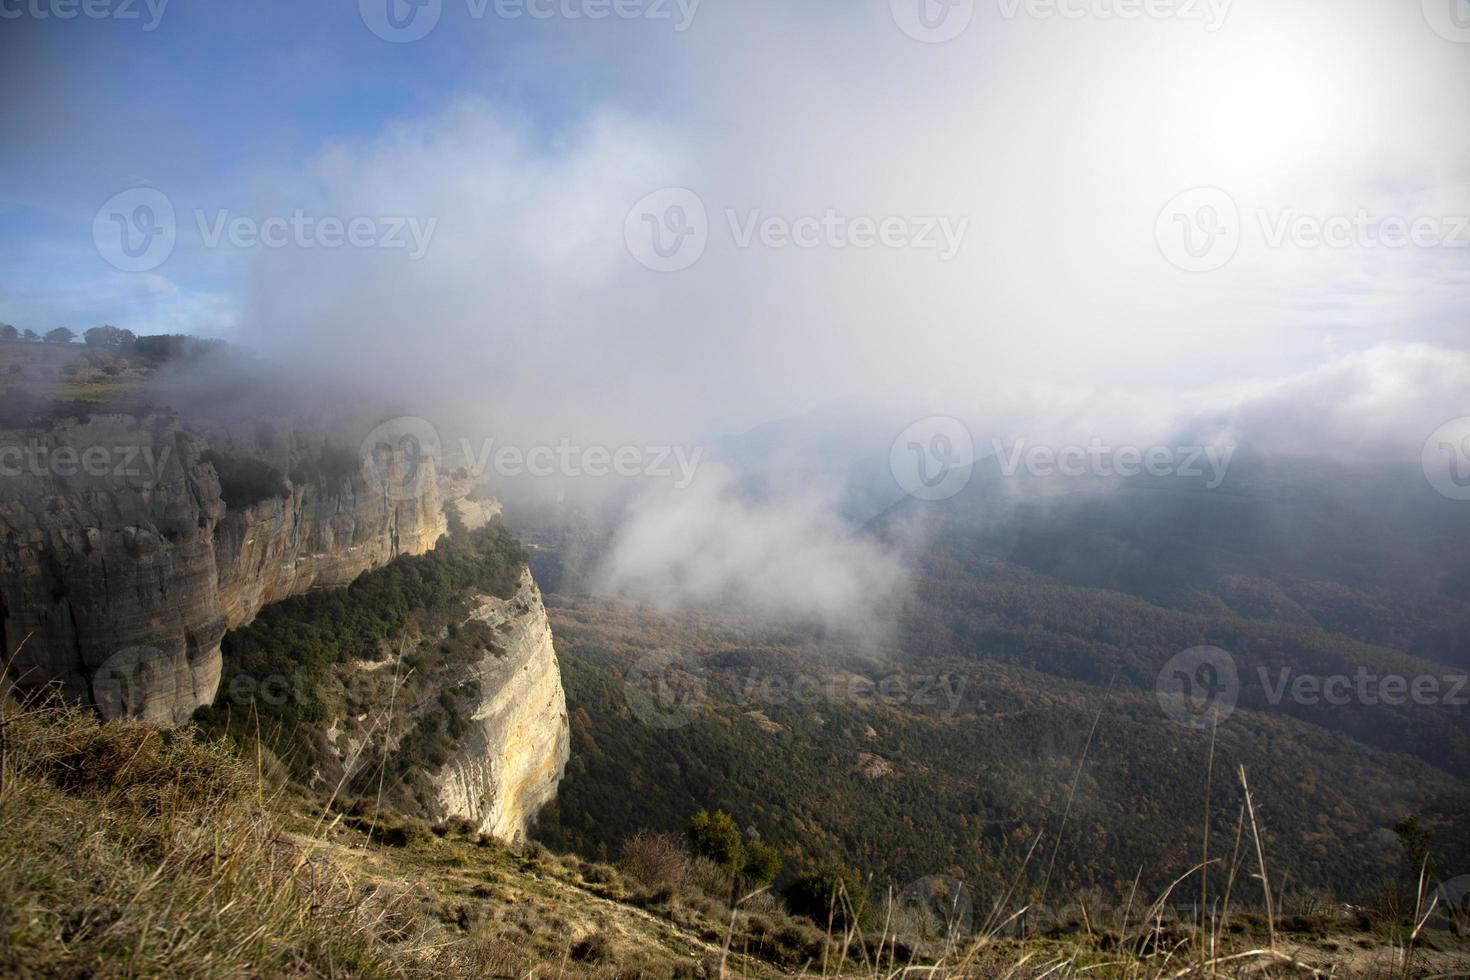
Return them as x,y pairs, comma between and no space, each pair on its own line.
1058,142
789,557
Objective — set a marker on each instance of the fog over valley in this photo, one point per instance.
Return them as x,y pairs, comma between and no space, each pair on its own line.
686,489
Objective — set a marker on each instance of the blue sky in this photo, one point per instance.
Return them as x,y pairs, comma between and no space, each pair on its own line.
1112,190
1058,146
209,100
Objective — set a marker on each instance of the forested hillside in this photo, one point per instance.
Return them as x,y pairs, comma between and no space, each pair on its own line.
965,763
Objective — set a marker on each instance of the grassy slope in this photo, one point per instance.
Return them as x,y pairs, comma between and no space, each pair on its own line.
133,852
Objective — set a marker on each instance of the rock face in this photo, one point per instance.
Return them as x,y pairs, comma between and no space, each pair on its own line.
512,760
122,565
130,545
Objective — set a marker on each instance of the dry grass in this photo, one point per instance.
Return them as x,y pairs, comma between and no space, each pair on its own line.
1146,943
130,852
133,852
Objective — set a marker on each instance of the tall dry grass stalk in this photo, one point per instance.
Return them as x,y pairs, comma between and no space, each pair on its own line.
1072,793
1250,805
1207,951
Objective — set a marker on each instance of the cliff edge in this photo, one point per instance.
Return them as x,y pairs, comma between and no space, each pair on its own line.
129,545
511,761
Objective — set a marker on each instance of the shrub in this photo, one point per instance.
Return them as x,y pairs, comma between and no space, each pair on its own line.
658,861
396,830
595,948
715,836
762,863
109,336
830,890
165,347
463,826
712,879
599,874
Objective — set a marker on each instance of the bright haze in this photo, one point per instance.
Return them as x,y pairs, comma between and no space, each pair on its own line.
1064,222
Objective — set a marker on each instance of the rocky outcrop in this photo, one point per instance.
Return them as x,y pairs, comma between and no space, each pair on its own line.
510,763
129,545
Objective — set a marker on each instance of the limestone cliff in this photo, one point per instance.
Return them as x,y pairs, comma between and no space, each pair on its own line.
512,760
122,565
130,545
483,738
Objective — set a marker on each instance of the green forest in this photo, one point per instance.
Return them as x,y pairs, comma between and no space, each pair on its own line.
906,787
282,676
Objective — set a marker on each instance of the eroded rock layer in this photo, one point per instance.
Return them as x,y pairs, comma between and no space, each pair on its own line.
122,564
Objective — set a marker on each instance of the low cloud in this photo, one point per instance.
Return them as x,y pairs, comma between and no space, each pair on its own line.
783,556
1378,404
